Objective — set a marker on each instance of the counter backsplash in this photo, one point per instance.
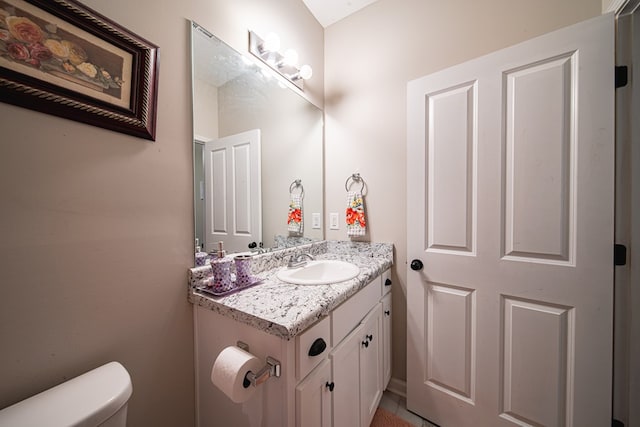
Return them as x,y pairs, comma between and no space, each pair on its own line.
270,260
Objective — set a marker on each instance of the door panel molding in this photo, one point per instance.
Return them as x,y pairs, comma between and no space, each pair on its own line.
537,392
451,340
451,157
540,113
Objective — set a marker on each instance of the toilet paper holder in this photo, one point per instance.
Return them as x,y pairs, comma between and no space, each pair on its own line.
271,369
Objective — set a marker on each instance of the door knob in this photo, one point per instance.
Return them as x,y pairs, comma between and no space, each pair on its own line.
416,265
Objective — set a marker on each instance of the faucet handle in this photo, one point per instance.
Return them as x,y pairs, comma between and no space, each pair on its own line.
293,260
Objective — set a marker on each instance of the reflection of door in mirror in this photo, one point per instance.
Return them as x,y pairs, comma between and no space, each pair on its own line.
232,195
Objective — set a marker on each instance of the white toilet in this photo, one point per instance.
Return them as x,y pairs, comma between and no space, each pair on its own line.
96,398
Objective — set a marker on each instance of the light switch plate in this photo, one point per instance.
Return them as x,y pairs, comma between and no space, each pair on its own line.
315,220
333,221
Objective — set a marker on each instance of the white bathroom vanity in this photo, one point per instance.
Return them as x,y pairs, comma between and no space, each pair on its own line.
333,341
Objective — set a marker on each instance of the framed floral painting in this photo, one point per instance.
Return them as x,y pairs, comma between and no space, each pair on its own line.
62,58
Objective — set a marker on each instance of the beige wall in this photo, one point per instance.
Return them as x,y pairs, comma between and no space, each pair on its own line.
96,227
205,110
369,58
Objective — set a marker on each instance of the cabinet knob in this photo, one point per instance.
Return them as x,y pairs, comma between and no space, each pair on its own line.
370,337
365,343
330,385
388,282
387,312
317,347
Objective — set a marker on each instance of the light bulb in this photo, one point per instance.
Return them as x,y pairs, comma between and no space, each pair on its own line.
271,42
290,57
306,72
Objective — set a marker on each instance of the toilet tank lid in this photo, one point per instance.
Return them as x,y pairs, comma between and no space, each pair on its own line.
86,400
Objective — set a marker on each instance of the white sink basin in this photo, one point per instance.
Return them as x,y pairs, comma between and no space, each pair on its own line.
320,272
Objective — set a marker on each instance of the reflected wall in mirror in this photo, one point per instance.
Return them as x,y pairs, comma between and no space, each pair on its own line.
253,137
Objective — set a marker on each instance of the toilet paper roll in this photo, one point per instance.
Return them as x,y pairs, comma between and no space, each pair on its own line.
229,370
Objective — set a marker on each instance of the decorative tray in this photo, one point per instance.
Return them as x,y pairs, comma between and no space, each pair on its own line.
209,289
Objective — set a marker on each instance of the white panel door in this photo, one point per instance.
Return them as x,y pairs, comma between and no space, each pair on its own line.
510,172
233,207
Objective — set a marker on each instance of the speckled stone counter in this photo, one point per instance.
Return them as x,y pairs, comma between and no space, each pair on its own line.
284,309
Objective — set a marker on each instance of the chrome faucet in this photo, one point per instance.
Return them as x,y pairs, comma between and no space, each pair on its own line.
299,260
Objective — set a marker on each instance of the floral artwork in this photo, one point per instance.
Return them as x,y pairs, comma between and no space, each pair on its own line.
356,222
39,44
65,59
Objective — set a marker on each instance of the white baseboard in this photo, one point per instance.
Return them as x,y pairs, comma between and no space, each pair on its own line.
398,387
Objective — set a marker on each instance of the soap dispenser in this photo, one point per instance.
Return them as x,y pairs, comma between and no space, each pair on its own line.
221,267
201,257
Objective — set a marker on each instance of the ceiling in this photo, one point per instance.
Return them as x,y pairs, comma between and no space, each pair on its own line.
329,11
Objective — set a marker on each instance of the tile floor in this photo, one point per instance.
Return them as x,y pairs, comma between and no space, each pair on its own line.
398,405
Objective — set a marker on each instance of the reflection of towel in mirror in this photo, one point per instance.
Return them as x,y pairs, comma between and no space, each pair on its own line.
356,223
294,220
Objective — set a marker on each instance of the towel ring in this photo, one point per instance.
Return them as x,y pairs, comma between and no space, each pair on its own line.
356,178
295,184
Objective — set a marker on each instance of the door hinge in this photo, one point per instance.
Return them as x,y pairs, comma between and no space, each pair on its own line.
619,254
621,76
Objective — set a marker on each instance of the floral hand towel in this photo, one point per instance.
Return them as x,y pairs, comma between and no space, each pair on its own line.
294,220
356,223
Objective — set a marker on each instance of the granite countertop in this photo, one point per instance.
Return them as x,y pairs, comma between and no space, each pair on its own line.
285,309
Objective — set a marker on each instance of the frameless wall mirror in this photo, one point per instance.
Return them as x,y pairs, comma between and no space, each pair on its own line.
253,138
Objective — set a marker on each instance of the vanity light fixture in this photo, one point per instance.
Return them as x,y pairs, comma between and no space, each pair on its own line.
267,51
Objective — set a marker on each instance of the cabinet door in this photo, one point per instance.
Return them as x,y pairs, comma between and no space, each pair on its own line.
386,340
345,365
313,398
370,365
